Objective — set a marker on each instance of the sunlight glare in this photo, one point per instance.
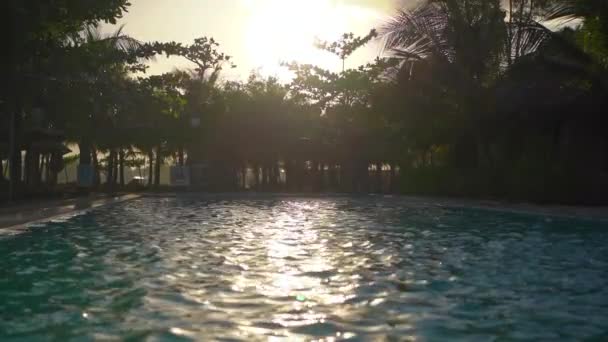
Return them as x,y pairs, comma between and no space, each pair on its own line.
286,30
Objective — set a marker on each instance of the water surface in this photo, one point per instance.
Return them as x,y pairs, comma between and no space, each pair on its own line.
247,268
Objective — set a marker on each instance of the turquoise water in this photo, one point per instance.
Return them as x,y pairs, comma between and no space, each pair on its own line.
249,268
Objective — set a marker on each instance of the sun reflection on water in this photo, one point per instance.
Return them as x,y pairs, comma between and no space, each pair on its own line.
297,266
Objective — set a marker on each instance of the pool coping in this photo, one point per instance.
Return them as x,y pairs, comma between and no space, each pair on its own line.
17,220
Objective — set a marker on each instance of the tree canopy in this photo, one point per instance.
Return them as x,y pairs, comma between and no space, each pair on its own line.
470,98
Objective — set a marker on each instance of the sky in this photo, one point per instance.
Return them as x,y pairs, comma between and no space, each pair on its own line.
259,34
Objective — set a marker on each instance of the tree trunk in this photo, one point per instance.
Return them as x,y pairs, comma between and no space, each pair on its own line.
344,176
294,176
33,176
276,174
393,178
267,176
263,174
121,162
41,169
256,173
320,172
14,149
95,160
110,168
32,166
26,168
300,173
244,177
288,175
180,156
16,165
150,167
85,153
333,177
47,169
54,167
116,168
159,161
379,184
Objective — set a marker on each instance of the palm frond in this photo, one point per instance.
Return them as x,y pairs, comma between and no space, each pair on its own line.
528,37
408,54
418,32
121,41
563,10
92,34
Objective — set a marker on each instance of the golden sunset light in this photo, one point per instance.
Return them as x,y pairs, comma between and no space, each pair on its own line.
304,170
259,34
285,31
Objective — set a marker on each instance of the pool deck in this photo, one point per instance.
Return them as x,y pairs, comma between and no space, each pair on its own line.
14,219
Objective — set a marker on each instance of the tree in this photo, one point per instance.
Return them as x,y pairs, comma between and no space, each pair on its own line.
163,113
198,86
593,35
344,102
96,64
347,45
32,30
467,42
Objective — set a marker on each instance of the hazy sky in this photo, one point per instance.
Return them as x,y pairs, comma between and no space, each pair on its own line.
259,34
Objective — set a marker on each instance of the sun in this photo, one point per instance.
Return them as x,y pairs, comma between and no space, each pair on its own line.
286,30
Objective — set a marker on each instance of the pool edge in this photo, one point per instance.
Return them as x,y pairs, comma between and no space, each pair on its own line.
78,207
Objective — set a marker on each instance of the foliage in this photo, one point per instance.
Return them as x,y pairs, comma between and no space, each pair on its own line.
203,53
347,45
473,98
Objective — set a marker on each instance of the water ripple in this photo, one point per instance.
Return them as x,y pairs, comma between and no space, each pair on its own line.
304,268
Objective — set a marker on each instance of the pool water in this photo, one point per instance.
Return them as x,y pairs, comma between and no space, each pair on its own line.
298,268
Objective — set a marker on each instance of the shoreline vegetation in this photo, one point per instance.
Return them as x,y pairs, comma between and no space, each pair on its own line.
473,99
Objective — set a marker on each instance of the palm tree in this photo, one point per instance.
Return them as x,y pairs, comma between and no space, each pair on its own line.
593,33
98,61
463,43
578,9
468,54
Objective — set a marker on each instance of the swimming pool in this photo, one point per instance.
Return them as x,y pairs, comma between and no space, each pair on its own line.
254,267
